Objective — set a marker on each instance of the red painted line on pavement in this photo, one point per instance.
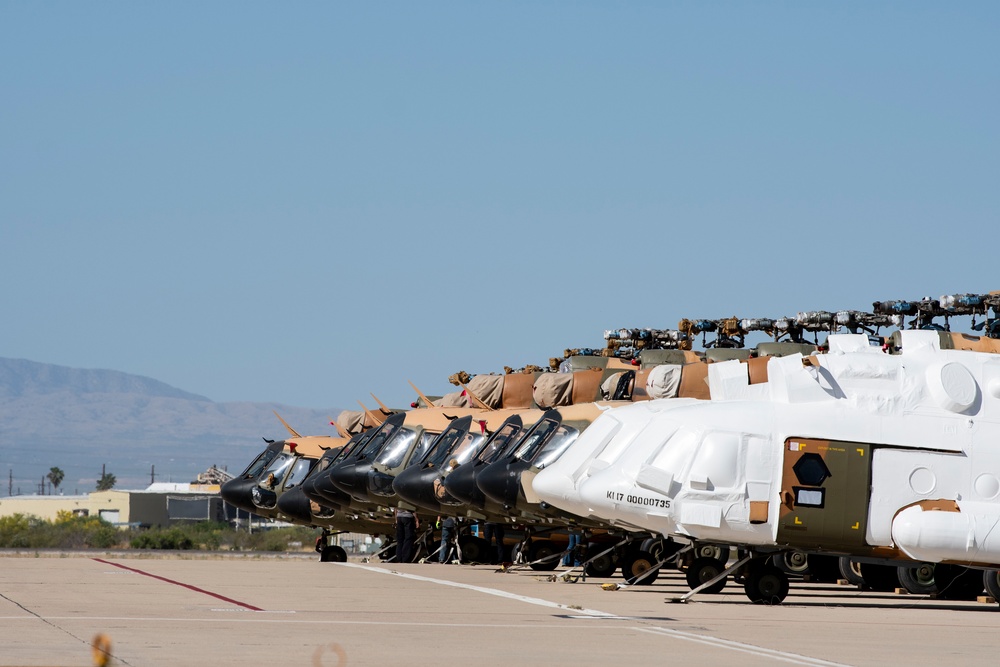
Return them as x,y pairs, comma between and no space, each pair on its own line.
180,583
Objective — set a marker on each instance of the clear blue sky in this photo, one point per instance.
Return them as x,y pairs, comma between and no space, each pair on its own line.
306,202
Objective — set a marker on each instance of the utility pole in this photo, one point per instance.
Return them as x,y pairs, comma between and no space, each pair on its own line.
10,483
152,475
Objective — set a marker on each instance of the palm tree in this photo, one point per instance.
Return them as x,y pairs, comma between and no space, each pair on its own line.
106,482
55,477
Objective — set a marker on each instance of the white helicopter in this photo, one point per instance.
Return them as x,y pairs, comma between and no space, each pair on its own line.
854,452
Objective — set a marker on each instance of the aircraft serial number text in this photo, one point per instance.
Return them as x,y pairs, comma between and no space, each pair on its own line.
642,501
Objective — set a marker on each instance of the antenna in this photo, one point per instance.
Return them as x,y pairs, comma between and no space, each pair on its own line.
374,417
290,429
421,395
382,406
344,433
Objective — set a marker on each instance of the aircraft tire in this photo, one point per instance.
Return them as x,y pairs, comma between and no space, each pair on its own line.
601,567
991,581
636,564
703,569
333,554
851,570
474,549
918,579
955,582
541,549
878,577
712,551
766,584
792,562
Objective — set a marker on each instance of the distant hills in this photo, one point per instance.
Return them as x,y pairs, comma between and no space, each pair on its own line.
78,419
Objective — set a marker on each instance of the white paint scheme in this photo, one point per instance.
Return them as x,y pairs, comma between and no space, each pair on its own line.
933,417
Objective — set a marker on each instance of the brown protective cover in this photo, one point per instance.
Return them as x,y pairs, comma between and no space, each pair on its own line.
517,390
694,381
758,511
757,369
639,392
455,399
586,386
352,421
962,341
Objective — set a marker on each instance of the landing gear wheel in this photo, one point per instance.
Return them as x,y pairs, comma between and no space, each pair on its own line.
878,577
792,562
333,554
766,584
712,551
704,569
851,570
637,564
661,549
991,580
474,549
918,580
541,549
602,566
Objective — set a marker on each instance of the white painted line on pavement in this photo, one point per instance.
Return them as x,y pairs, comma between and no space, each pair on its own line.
784,656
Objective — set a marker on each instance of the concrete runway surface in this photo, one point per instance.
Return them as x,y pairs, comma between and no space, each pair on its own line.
295,611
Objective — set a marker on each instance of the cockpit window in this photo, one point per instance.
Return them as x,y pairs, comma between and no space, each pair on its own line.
443,445
675,452
278,468
557,444
300,469
464,450
258,465
535,439
426,441
384,433
395,449
498,442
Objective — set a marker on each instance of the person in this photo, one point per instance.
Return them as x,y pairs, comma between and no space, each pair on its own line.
406,531
447,533
493,531
572,554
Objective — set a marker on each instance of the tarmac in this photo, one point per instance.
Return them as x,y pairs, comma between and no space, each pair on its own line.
297,611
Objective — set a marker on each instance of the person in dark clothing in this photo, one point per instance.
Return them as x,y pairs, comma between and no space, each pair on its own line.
406,532
493,531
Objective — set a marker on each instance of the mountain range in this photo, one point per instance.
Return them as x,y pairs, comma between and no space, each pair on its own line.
80,420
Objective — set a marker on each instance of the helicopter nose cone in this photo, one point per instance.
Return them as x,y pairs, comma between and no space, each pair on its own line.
236,492
295,505
501,482
416,486
380,484
351,479
557,489
461,484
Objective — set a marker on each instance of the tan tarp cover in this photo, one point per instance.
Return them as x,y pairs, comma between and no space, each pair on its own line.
694,381
352,421
664,381
639,390
455,399
553,389
586,386
757,369
518,389
488,389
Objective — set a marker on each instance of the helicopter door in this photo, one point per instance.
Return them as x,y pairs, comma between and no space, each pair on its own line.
825,488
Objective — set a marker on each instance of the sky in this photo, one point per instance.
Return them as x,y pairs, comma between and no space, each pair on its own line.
307,202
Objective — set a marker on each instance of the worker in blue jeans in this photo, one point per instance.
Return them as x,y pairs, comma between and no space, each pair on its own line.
447,533
572,553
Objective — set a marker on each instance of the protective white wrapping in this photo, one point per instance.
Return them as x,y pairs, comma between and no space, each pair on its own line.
608,386
552,390
664,381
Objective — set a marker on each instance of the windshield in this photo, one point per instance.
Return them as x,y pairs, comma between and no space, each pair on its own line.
299,472
259,463
465,449
557,444
498,442
278,468
536,438
384,433
395,449
443,446
426,441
